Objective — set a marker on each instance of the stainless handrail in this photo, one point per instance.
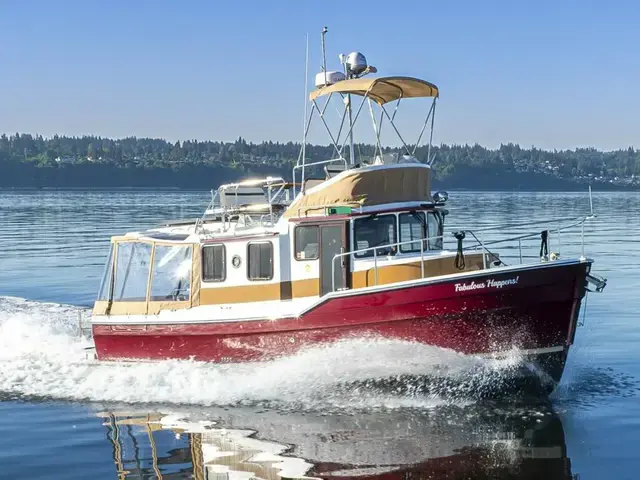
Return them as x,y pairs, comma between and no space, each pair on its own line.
479,243
273,197
580,222
375,256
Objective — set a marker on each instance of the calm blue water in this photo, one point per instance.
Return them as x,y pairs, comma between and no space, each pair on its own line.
63,416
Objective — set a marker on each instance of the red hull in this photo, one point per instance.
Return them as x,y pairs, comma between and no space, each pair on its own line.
537,312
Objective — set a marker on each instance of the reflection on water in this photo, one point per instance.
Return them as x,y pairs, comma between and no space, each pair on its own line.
481,441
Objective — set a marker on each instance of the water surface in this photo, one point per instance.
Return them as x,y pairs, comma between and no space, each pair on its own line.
64,416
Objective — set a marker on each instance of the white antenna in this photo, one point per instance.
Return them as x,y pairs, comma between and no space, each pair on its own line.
324,55
591,201
304,120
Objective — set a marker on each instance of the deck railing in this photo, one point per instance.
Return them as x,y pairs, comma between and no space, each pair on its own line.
303,166
275,191
479,244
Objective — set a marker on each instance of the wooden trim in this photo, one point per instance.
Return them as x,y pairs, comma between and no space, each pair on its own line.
196,282
240,294
287,290
128,308
309,287
100,307
155,307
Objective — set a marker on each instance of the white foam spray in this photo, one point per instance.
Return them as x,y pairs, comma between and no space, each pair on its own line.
42,355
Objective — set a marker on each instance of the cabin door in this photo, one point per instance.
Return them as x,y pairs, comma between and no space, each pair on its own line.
333,241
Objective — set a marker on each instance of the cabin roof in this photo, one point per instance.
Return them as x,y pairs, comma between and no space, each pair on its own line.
208,232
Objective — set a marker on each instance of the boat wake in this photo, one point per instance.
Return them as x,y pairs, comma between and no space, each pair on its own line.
41,355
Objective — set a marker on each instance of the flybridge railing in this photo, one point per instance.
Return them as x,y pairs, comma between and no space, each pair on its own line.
460,235
303,166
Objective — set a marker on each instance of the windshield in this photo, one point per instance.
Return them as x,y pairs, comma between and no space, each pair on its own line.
136,279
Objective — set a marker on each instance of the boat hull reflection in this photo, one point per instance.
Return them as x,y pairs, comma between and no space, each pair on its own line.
488,441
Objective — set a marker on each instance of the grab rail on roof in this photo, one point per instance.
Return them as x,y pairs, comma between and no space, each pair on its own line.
276,194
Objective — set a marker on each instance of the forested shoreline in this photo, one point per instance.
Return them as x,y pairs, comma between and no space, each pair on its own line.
32,161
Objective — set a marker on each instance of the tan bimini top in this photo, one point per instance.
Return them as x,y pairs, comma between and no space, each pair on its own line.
367,186
381,90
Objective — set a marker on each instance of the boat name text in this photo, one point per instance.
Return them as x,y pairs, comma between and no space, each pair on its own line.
489,283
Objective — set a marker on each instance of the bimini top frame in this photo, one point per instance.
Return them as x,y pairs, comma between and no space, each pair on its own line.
381,90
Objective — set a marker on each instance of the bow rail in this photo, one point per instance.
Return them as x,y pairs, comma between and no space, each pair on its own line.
479,244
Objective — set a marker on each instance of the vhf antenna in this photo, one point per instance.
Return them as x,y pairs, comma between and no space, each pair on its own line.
324,55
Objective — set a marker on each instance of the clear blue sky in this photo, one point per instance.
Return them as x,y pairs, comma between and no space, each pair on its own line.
555,74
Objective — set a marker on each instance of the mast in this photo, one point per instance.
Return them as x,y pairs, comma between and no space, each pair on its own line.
348,74
324,55
304,120
352,155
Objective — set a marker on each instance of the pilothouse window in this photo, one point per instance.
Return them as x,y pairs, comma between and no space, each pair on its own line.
171,279
132,272
375,231
412,227
213,263
434,230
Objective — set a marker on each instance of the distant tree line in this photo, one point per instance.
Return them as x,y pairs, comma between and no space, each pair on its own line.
60,161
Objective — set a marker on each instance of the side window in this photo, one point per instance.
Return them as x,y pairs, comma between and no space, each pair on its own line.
213,263
260,261
132,272
375,231
171,277
434,229
306,242
412,227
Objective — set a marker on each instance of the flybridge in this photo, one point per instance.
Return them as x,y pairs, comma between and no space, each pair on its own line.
376,93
